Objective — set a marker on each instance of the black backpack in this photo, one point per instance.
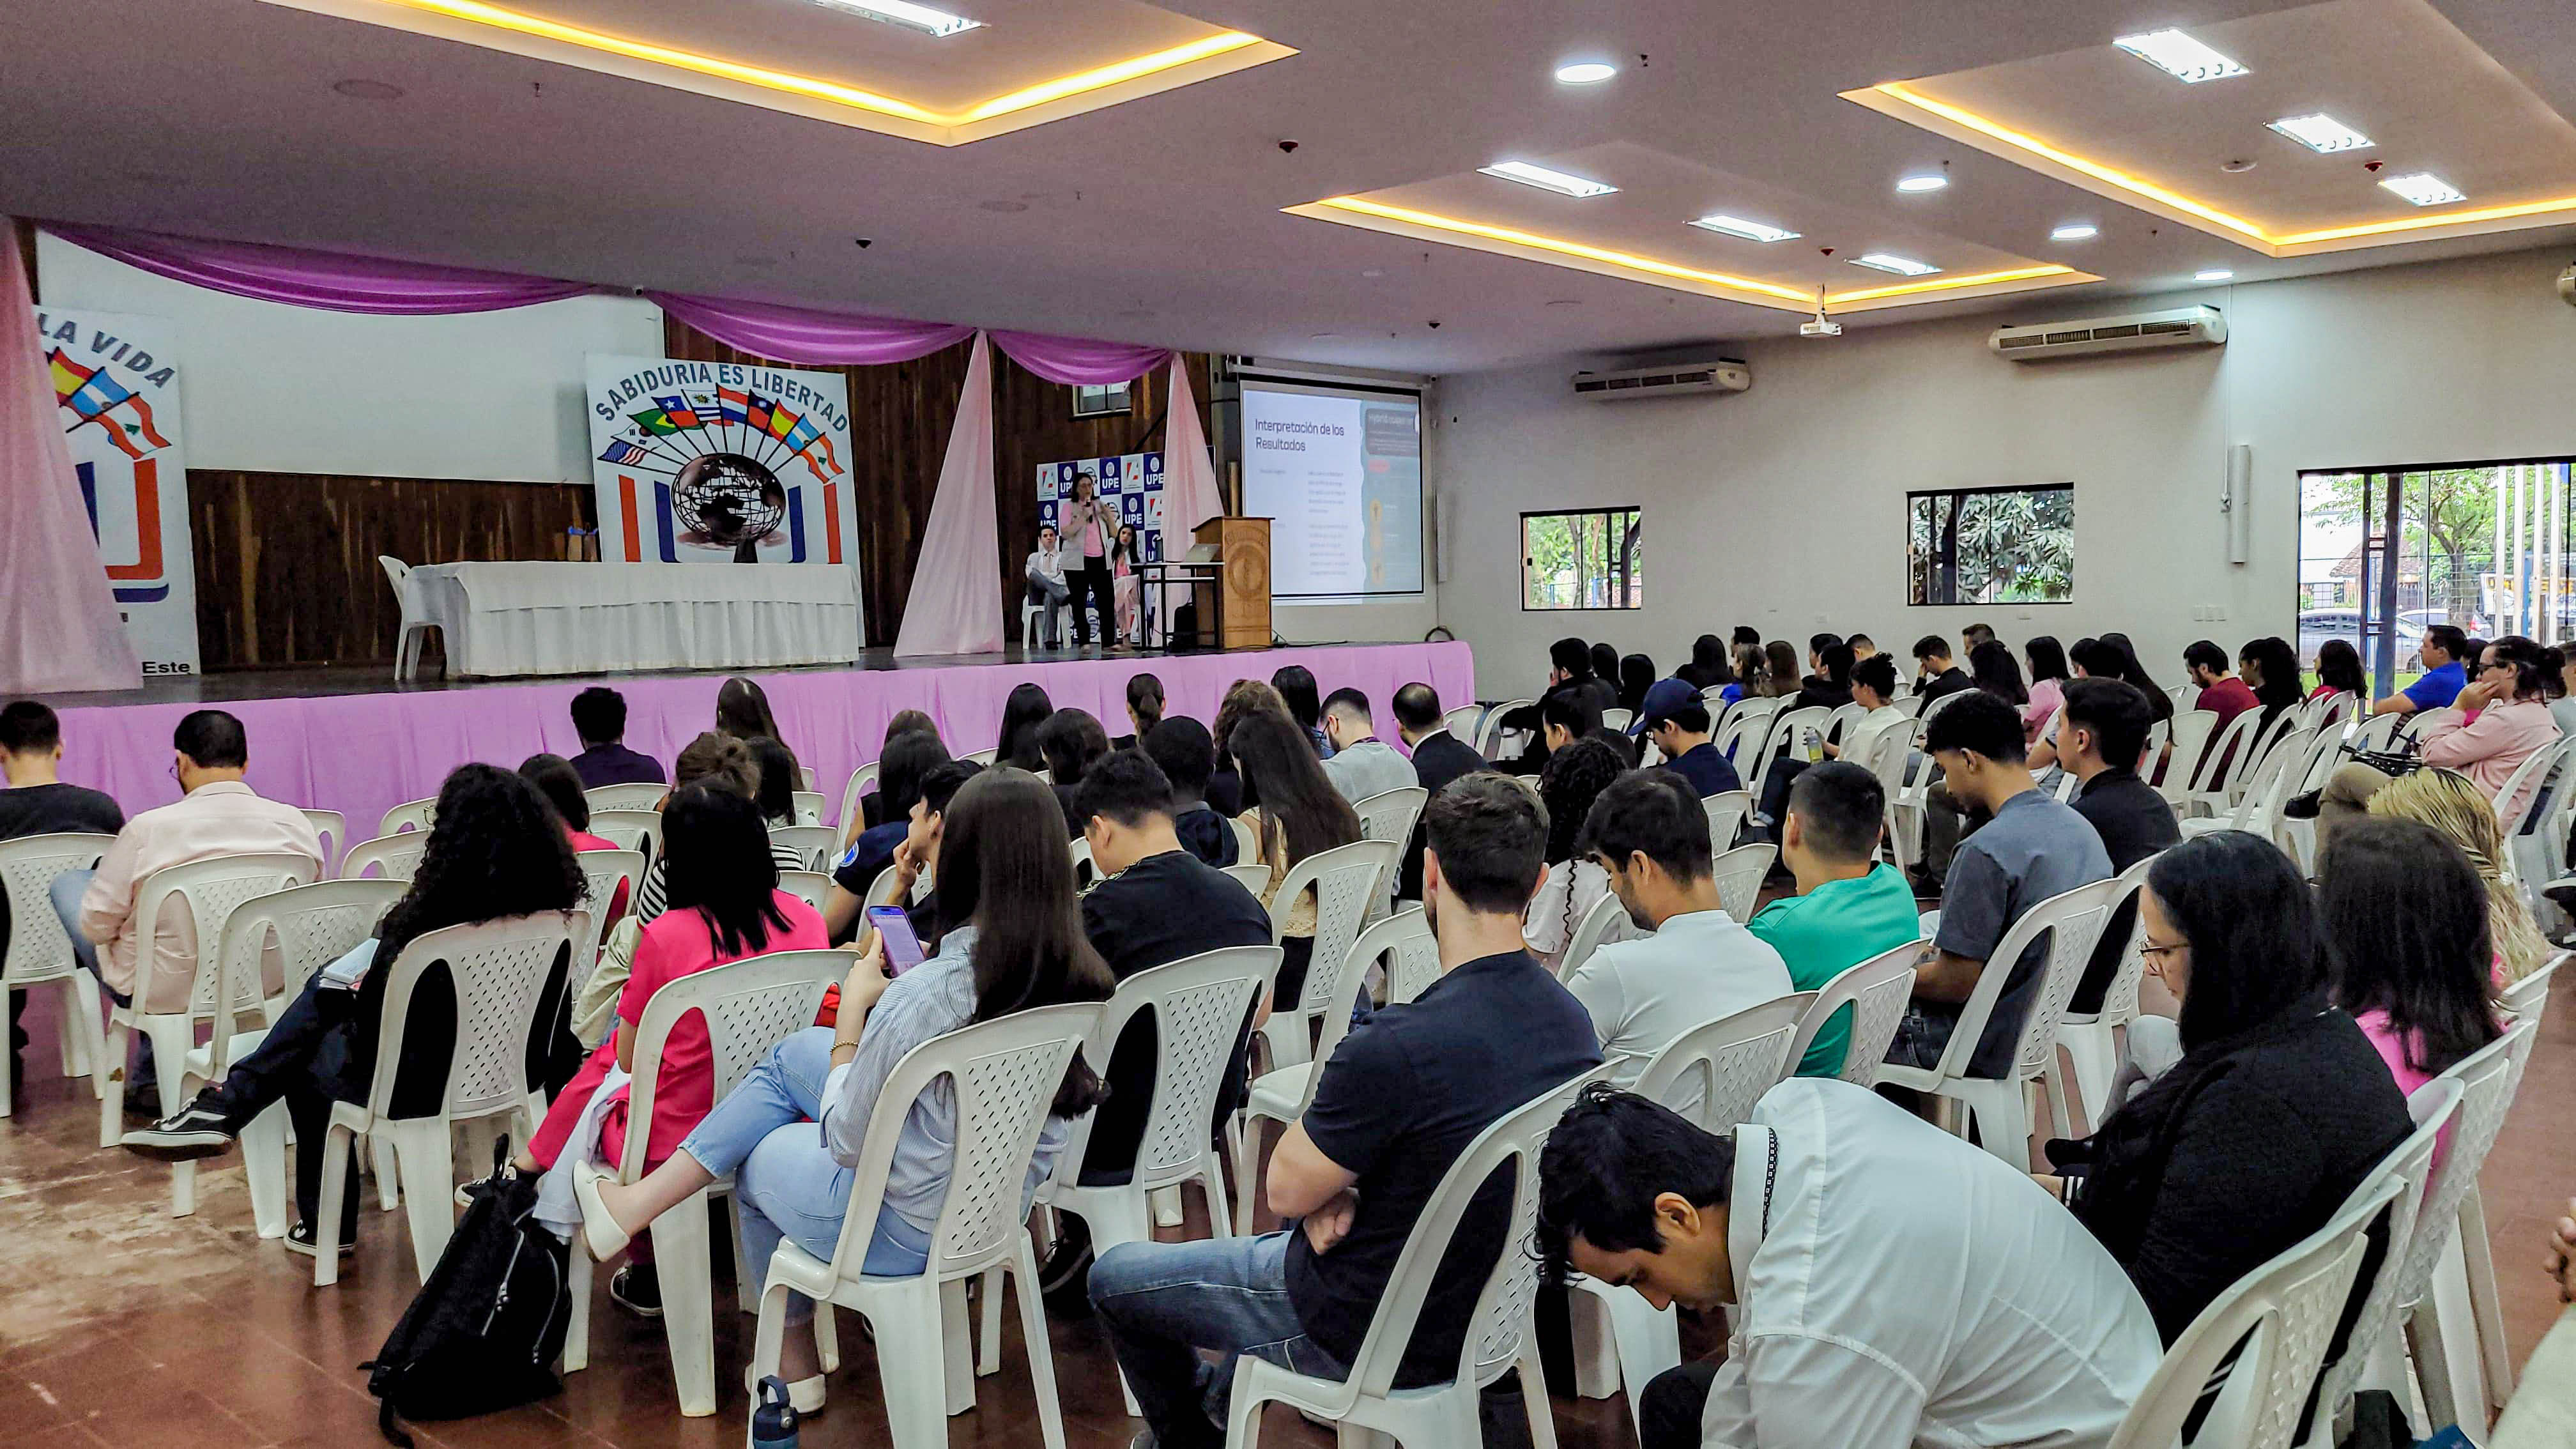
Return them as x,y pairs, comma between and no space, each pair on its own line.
487,1327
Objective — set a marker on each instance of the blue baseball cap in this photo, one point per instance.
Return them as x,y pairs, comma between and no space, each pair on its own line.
1662,698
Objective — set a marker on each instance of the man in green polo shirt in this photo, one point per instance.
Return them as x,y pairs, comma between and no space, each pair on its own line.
1848,907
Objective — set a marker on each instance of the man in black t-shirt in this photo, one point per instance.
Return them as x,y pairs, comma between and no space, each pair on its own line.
2104,721
37,802
1402,1096
1181,748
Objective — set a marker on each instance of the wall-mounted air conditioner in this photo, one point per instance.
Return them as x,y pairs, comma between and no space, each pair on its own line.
1680,379
2136,332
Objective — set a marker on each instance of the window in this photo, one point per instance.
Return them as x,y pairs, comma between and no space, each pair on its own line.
1991,545
1105,400
1582,560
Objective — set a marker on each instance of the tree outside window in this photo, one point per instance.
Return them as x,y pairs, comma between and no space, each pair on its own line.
1991,545
1587,560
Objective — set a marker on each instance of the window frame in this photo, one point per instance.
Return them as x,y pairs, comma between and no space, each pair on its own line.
1912,495
1630,587
1125,391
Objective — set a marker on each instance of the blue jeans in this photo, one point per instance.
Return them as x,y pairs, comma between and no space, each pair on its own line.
786,1184
1162,1301
67,890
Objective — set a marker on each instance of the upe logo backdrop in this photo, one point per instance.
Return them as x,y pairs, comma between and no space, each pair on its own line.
1130,485
719,462
116,393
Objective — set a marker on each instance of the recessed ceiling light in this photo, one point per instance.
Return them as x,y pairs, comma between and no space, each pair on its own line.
2320,132
1321,336
1749,230
1373,272
1922,181
1001,205
1564,302
1559,182
908,15
1901,266
369,90
1585,72
2075,231
2179,56
2425,189
2214,274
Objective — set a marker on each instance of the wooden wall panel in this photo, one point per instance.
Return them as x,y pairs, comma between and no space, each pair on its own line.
286,562
900,416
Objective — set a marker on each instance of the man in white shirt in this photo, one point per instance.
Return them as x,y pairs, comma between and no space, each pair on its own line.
1873,689
1047,588
1893,1285
1362,764
1650,832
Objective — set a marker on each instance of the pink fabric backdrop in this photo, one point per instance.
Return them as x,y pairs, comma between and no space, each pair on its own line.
59,629
1190,493
952,609
363,754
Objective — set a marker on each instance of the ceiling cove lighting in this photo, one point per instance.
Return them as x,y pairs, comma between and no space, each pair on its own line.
1562,183
1888,262
910,16
1749,230
2320,133
2075,231
1925,181
1585,72
2423,188
2214,274
2179,56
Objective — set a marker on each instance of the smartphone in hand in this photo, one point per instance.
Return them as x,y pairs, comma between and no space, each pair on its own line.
902,948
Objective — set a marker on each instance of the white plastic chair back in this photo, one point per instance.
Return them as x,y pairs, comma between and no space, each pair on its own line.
2335,711
886,889
38,949
1464,723
2433,1106
209,891
2378,732
1199,1005
809,886
393,857
1254,878
1740,737
2071,921
636,830
1412,959
1489,735
2182,695
2526,999
2521,792
2267,786
2485,1078
1837,725
749,1006
2066,787
862,780
2157,734
332,829
499,971
2231,748
812,782
813,844
1085,874
410,815
1607,921
1344,879
415,616
606,870
1247,847
1876,991
2288,1308
1738,874
1713,1074
309,926
1618,719
1782,736
1908,701
809,807
624,797
2189,733
1726,811
2268,739
2120,998
1389,815
986,757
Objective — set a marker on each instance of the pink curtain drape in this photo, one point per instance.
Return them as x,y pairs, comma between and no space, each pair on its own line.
1190,492
952,609
59,629
813,339
1075,360
330,281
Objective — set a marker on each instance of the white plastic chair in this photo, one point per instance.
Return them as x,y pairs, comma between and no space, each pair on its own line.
809,886
1618,719
410,815
1346,881
2189,734
1085,873
2379,732
985,758
1876,991
1464,723
624,797
1726,811
393,857
1607,921
813,844
1283,1094
498,970
1003,1074
2433,1106
1739,873
809,807
862,780
417,617
1740,737
2268,784
2079,1092
1254,878
2526,1000
2520,795
1490,736
1412,966
1389,815
606,871
309,926
636,830
747,1007
1782,736
2000,1107
2230,749
1247,845
39,953
332,829
1498,1337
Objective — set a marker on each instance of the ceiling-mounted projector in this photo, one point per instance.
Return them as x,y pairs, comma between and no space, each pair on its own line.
1821,325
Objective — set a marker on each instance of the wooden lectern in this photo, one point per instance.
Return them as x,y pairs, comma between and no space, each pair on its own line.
1235,606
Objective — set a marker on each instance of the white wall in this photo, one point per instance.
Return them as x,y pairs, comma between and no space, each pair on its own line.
488,395
1783,507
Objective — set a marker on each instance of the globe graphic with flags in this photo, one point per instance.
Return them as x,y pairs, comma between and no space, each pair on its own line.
731,500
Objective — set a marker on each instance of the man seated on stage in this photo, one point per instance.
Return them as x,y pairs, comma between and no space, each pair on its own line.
1362,764
1047,588
37,802
1675,717
1181,748
599,717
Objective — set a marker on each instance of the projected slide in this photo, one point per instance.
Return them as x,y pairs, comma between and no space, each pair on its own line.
1340,476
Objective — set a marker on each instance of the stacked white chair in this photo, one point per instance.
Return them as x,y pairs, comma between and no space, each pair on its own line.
624,797
332,829
2079,1092
2268,784
1877,991
1346,881
1739,873
1283,1094
748,1007
1605,922
410,815
1002,1076
1389,815
813,844
392,857
862,780
498,970
1498,1337
39,954
636,830
1726,811
2526,1000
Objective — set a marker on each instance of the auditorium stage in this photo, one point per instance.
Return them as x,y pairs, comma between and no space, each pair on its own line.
356,742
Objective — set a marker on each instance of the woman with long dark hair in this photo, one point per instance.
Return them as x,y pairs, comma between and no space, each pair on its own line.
1992,667
1070,740
496,850
1709,667
1226,794
1144,709
1575,882
2339,670
2270,667
2048,676
742,711
780,779
1296,686
871,806
900,770
1010,940
1780,671
1022,713
2277,1108
1087,528
1636,676
2415,959
1299,814
2129,669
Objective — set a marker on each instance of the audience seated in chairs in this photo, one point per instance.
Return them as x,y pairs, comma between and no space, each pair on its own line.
1181,749
2495,723
872,807
742,712
1438,758
1069,741
1011,940
907,761
2276,1109
216,815
728,763
1830,686
2031,847
1676,719
725,905
37,802
1710,668
599,718
1300,814
2445,656
1650,834
1023,713
2101,721
1934,674
2453,804
1850,906
1575,882
1361,764
1144,709
1402,1095
496,850
1569,672
1891,1284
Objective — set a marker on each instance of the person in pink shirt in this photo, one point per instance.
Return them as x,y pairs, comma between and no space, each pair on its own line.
2500,719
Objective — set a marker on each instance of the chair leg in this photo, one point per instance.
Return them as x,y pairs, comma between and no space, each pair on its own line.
93,1029
1033,1337
1649,1341
1167,1207
2484,1306
956,1346
1243,1413
111,1101
576,1349
326,1222
681,1258
827,1338
1212,1187
380,1155
1542,1417
263,1145
769,1333
1596,1348
1247,1164
988,1344
2449,1368
69,1038
910,1356
421,1147
171,1038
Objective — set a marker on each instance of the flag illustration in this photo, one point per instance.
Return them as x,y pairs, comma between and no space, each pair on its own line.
624,453
679,412
91,392
654,421
733,406
802,434
831,459
781,421
756,411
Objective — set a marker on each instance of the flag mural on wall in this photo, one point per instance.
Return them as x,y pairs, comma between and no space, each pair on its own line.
116,390
716,462
1132,484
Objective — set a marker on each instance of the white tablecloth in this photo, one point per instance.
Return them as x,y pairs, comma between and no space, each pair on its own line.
582,618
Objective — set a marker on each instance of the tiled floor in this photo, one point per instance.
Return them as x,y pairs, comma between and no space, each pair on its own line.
122,1326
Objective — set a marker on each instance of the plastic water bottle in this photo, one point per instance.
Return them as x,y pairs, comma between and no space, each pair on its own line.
773,1419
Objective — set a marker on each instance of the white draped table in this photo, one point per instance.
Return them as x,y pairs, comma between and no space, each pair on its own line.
584,618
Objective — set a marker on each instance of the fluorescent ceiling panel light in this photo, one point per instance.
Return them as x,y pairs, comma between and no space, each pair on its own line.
907,15
1901,266
2075,231
2214,274
1539,176
1585,73
1749,230
1928,181
2425,189
2179,56
2320,133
